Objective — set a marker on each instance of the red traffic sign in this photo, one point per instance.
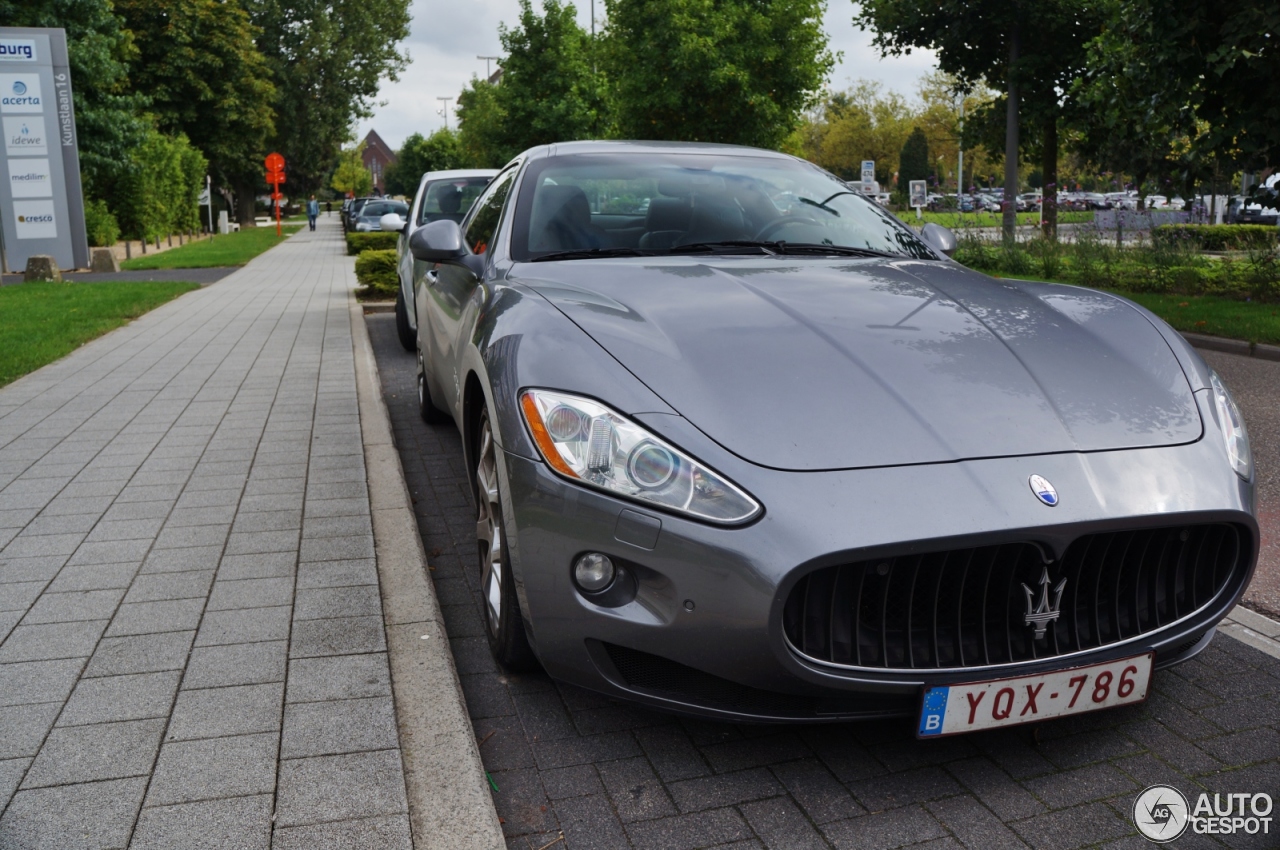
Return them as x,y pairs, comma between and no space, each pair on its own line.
275,176
277,196
275,162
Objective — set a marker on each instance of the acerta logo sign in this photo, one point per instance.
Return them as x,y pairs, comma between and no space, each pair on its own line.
20,93
17,50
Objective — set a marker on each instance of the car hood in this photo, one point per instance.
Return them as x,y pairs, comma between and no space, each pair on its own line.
814,364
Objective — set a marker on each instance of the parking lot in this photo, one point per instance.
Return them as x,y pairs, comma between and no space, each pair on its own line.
569,764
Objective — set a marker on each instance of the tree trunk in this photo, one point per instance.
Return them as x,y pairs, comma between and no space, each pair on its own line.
244,202
1010,206
1049,165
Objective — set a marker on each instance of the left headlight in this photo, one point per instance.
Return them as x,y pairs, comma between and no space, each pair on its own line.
1231,426
586,442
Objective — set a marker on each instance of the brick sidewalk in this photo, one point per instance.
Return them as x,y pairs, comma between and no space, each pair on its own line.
610,775
191,645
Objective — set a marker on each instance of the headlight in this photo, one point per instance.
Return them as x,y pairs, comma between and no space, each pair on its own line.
588,443
1231,426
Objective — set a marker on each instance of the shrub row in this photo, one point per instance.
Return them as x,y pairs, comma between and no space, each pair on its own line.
377,240
1217,237
376,272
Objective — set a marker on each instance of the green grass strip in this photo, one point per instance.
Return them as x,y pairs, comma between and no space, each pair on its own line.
40,322
231,249
961,221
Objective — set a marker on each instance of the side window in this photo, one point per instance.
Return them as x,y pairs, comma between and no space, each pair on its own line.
478,233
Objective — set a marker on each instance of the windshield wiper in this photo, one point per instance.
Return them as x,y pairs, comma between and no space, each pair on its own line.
842,250
592,253
822,205
734,246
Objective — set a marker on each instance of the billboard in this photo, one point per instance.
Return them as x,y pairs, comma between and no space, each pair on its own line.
41,205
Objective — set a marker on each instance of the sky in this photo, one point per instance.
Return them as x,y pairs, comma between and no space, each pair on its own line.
447,35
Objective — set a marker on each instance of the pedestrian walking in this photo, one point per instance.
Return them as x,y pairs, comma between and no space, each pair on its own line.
328,208
313,211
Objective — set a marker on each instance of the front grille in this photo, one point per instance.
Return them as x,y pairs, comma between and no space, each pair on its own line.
968,607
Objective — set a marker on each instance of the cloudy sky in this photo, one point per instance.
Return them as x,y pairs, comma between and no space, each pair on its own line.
448,35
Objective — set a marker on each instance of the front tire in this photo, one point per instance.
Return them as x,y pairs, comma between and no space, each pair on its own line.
504,623
408,338
430,414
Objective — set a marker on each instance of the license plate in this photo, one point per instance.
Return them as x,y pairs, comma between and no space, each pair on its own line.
951,709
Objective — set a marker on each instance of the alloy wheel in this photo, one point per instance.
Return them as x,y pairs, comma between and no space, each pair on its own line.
489,534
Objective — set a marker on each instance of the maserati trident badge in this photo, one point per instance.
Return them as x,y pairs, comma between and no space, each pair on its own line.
1043,613
1043,489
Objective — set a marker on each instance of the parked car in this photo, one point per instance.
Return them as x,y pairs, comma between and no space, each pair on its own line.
756,464
1029,202
369,217
352,210
1262,205
441,196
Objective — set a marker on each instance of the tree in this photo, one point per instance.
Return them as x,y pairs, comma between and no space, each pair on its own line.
549,92
108,122
1176,89
734,71
327,59
440,151
1032,52
860,123
351,177
158,193
913,163
205,78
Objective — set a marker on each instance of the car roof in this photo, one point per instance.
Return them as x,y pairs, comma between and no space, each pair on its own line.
460,172
563,148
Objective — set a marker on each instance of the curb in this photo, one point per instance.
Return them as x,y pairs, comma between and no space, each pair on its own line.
450,805
1234,346
1262,633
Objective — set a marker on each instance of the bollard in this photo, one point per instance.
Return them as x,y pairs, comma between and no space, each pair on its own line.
42,267
102,260
128,250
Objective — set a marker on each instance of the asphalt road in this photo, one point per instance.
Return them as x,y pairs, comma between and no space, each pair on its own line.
569,764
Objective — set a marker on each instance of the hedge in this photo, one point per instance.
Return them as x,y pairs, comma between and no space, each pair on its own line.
1217,237
376,240
376,272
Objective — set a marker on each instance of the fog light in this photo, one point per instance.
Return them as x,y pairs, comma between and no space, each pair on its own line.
593,572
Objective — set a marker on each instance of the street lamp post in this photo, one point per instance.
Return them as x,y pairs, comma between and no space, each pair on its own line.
445,109
487,60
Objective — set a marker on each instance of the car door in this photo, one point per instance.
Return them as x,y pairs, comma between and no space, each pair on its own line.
447,288
404,260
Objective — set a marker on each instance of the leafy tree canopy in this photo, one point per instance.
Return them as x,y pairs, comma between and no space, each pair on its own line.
732,71
351,176
913,162
440,151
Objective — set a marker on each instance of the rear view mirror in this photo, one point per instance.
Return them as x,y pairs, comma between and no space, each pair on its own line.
391,222
940,238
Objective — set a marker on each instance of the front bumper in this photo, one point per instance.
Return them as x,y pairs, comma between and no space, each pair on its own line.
703,632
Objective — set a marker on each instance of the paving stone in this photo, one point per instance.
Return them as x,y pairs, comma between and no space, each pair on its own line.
323,603
337,573
780,823
73,606
331,788
256,542
11,771
111,698
974,824
390,832
250,593
72,817
111,552
820,795
16,570
686,832
138,618
1071,828
182,560
725,789
336,548
239,823
211,768
37,681
94,577
236,664
102,751
25,727
338,726
244,626
1073,787
155,587
884,830
234,710
590,823
900,789
279,520
338,677
337,636
55,640
266,565
18,596
140,654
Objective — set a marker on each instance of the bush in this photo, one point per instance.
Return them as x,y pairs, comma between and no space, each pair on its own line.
377,240
376,272
1216,237
159,192
102,228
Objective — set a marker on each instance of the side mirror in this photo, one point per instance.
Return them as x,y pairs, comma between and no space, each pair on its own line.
438,242
940,237
391,222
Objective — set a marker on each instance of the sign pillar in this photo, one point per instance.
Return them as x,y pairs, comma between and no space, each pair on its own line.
275,176
41,201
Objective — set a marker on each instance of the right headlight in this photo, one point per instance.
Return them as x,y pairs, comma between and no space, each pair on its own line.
586,442
1231,426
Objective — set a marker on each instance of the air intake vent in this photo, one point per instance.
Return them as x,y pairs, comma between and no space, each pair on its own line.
970,607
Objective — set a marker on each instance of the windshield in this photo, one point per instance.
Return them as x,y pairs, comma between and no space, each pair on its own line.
379,210
654,203
450,198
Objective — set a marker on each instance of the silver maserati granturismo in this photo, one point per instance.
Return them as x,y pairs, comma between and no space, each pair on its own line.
744,445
